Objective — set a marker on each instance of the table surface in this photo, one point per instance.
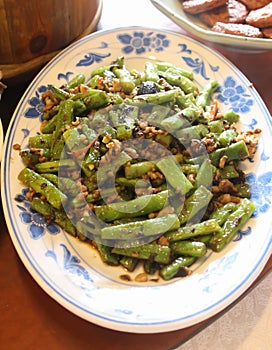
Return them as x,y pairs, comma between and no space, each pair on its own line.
29,318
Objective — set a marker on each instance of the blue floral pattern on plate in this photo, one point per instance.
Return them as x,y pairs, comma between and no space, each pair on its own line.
36,104
36,223
197,64
71,263
91,58
261,191
140,42
235,96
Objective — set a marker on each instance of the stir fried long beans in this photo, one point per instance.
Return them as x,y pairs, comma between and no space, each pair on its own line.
142,165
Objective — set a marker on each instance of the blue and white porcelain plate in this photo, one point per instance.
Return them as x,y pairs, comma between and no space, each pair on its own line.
70,271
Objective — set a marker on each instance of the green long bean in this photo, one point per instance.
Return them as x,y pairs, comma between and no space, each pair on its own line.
41,185
163,209
231,226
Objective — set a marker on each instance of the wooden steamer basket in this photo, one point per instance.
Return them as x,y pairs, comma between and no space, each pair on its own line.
33,32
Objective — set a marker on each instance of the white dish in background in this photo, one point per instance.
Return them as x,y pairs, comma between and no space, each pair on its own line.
1,139
2,87
192,24
70,271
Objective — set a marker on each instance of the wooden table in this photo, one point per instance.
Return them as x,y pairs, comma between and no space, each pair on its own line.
29,319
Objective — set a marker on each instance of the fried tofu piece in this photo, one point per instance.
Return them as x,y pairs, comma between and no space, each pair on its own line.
255,4
260,18
267,32
237,29
197,6
233,12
